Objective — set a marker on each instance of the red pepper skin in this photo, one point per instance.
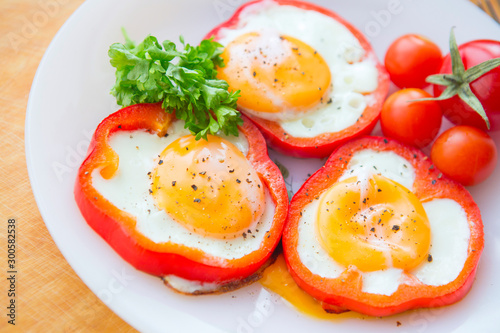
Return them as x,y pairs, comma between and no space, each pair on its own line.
321,145
117,227
344,293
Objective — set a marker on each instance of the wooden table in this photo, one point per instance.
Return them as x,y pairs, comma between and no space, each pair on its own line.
50,296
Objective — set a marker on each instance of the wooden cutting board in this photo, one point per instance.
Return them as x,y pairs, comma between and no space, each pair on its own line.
50,297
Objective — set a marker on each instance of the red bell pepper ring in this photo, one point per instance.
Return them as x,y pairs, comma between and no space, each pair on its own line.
321,145
117,227
344,293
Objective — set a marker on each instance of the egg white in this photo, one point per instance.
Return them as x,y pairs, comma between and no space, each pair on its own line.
354,76
450,231
128,190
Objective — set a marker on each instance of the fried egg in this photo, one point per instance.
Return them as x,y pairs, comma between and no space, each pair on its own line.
300,68
371,221
204,195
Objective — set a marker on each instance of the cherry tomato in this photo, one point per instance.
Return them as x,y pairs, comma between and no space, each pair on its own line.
486,88
413,123
465,154
410,59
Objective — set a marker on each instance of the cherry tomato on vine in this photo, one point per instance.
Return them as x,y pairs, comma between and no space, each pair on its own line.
410,59
486,87
414,123
465,154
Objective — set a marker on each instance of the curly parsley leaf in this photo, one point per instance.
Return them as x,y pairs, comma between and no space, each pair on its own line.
183,80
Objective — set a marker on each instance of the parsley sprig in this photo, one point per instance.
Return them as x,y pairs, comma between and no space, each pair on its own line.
183,80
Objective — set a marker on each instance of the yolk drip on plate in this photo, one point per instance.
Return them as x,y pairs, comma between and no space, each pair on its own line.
274,73
373,224
209,187
276,278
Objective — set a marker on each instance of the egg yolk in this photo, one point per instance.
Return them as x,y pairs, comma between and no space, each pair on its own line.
274,73
208,186
373,224
276,278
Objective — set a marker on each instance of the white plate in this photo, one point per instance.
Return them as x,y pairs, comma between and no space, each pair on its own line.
70,96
